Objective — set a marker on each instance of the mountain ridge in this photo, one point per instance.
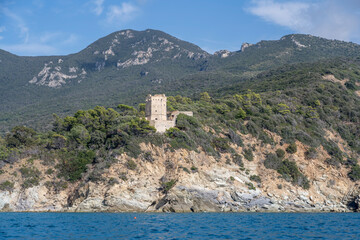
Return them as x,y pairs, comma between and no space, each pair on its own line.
126,65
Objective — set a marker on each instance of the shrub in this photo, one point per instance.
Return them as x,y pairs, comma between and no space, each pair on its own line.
248,154
185,122
132,147
354,174
351,162
6,186
290,172
333,161
237,159
280,153
73,164
131,165
194,169
30,182
292,148
250,186
49,171
112,181
240,114
123,176
57,186
80,134
204,96
147,156
311,153
220,144
272,161
180,139
97,139
186,170
125,109
57,141
20,136
255,178
336,155
166,186
282,109
235,138
29,172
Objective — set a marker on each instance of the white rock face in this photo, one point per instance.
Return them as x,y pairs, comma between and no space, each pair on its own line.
216,185
141,57
73,69
298,43
223,53
245,45
52,76
127,34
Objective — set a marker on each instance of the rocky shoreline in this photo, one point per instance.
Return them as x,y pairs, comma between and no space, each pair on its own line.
186,181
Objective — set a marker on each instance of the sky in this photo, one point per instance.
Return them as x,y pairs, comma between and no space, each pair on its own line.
61,27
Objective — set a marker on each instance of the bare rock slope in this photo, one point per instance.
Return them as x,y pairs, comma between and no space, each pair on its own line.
187,181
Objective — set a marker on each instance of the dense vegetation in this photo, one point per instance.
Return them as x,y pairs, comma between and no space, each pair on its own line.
298,107
105,84
245,94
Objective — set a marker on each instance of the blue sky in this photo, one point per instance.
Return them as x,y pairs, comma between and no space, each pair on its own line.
59,27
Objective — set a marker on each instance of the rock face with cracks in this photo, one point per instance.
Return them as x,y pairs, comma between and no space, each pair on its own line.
187,181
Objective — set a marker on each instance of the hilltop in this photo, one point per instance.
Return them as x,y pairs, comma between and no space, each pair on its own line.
127,65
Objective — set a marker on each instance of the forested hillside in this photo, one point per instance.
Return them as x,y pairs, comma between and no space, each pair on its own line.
290,132
125,66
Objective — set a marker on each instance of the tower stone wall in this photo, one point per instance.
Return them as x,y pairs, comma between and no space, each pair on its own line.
156,113
155,108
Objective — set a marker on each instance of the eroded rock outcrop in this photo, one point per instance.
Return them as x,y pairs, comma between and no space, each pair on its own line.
186,181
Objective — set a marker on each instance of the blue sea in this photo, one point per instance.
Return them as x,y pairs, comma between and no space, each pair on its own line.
179,226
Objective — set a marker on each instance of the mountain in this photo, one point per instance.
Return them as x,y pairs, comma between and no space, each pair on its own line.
125,66
285,140
277,129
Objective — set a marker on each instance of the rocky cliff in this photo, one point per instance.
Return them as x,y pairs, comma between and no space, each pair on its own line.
161,180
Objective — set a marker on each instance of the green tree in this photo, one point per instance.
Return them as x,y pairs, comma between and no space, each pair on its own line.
204,96
20,136
240,114
80,134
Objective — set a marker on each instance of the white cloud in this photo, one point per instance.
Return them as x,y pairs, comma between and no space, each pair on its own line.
46,37
58,37
99,8
123,13
33,49
289,14
1,37
329,19
72,38
19,23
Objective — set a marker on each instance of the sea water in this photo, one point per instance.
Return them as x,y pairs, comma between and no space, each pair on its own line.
179,226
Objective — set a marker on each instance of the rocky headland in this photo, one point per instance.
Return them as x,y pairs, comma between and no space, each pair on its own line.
187,181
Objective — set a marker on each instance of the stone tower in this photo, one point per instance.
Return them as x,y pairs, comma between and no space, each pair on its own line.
155,108
156,113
